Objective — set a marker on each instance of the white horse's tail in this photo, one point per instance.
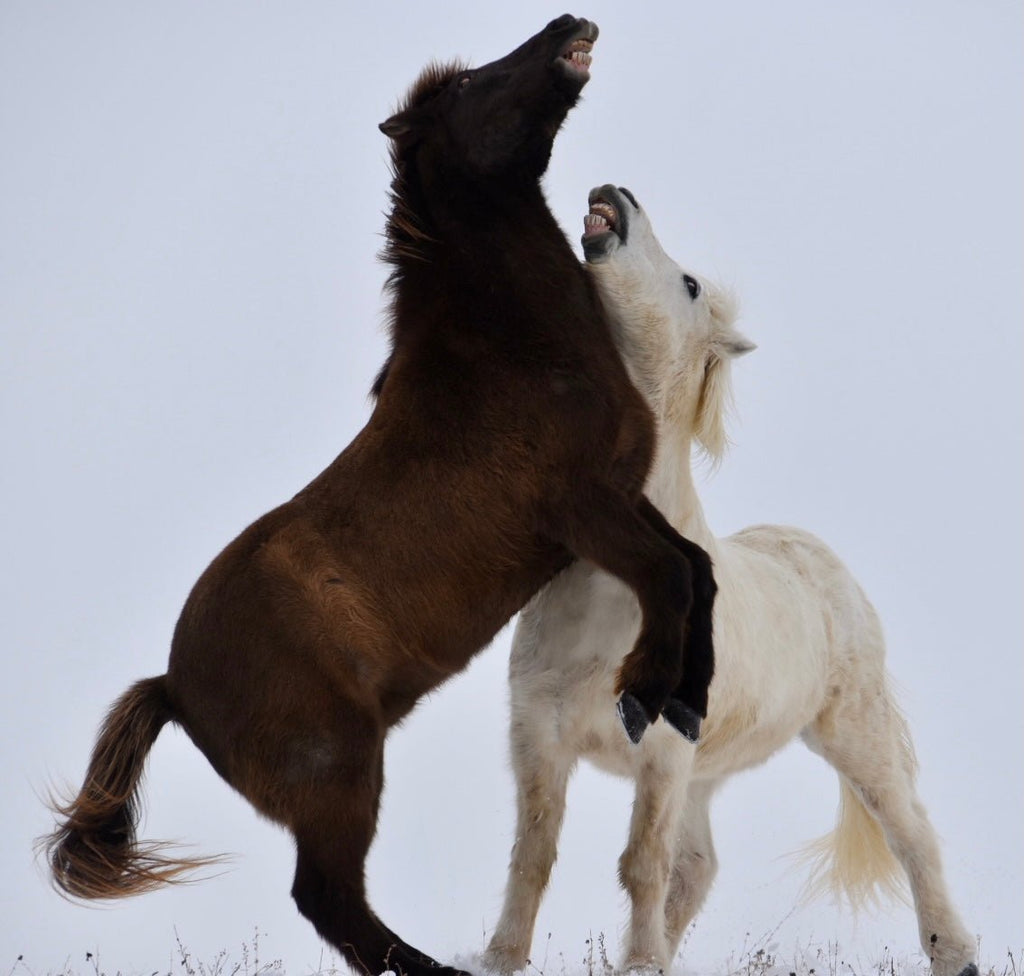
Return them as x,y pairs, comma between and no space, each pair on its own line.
854,860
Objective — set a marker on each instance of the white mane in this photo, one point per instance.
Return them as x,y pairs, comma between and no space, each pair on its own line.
715,401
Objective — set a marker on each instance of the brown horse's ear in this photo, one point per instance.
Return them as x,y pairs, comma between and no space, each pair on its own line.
399,125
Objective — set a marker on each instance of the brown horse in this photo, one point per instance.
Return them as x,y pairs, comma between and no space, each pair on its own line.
506,441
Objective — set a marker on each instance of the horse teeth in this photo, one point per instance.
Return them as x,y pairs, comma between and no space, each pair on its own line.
605,212
578,54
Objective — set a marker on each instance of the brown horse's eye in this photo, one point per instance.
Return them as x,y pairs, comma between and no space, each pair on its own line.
464,80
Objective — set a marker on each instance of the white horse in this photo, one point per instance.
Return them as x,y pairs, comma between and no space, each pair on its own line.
799,652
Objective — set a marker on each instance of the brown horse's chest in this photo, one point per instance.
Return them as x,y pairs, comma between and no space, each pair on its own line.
602,423
521,427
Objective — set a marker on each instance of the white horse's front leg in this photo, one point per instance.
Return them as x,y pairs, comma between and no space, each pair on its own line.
542,776
646,864
695,864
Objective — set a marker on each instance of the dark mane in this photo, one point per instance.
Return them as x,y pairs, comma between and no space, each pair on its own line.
434,77
404,232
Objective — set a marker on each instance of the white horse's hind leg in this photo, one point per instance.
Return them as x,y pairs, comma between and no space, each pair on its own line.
695,867
645,866
542,777
864,736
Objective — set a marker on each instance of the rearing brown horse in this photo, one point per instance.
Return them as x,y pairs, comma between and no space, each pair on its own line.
506,441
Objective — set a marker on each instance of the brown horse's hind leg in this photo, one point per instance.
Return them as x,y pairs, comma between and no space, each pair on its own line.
333,838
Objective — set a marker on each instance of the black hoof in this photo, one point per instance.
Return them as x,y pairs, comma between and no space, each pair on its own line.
634,718
685,721
969,970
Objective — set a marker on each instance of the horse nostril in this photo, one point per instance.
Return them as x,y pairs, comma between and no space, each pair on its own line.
629,196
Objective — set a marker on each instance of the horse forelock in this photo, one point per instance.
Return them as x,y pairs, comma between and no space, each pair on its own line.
432,79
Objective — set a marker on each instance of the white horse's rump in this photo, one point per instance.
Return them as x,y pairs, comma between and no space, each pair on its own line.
799,651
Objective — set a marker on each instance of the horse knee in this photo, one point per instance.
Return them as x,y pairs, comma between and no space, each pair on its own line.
644,870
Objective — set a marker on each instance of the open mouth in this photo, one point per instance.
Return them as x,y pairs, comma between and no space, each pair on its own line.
606,224
574,56
603,218
577,55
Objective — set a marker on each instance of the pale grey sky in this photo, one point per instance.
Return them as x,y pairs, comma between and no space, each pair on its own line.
191,199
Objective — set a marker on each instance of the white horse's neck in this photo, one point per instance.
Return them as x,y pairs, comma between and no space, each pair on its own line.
671,488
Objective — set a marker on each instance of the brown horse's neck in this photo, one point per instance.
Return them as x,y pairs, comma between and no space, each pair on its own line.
430,212
469,250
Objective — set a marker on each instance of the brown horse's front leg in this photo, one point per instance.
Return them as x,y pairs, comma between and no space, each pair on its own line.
689,702
610,530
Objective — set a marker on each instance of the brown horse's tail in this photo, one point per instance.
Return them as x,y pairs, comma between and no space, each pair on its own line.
93,852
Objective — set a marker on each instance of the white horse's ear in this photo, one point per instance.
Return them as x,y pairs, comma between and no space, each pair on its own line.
732,345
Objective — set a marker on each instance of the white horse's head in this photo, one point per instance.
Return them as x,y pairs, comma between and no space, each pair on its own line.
675,329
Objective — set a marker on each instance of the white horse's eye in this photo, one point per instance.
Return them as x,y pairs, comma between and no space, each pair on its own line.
692,286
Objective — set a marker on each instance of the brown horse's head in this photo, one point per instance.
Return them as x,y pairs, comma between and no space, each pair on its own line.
496,122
